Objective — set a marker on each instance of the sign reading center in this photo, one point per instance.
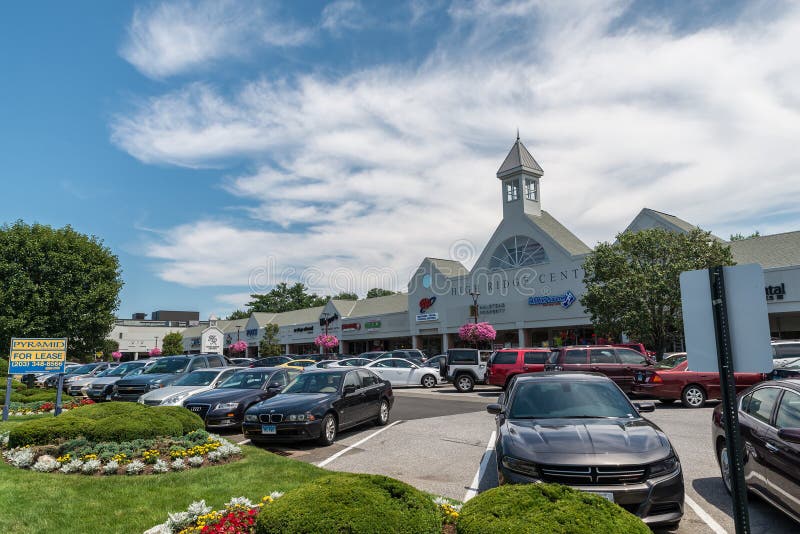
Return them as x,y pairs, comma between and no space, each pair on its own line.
37,355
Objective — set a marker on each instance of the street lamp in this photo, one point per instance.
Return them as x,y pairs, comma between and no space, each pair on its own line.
325,320
156,342
237,332
475,295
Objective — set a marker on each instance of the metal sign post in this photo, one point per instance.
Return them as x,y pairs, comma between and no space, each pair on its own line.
8,398
730,411
58,394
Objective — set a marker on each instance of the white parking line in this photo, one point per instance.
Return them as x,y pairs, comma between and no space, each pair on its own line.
354,445
716,527
473,488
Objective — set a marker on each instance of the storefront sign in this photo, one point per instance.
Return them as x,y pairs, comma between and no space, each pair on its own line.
253,332
775,292
37,356
566,300
372,325
523,281
302,329
350,327
422,317
328,320
488,309
425,304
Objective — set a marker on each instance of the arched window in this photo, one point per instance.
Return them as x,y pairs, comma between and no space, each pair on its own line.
517,251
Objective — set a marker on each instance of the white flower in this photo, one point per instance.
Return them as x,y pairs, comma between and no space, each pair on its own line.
20,457
91,466
73,466
196,461
239,501
276,495
4,439
214,456
160,466
111,467
178,520
228,450
197,509
135,467
178,464
159,529
45,464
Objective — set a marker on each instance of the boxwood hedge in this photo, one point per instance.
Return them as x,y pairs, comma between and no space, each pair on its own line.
352,504
544,509
112,421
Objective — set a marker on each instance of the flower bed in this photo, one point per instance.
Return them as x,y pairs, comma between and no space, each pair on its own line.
42,407
138,457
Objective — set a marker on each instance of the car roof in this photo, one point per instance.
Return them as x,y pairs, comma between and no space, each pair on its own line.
586,347
263,369
330,370
793,383
563,375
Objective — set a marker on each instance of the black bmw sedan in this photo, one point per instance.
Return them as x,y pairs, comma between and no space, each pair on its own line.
224,406
318,404
580,429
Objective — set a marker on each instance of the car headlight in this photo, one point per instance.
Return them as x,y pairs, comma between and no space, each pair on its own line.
175,399
115,388
226,406
140,400
300,417
520,466
154,385
664,467
251,418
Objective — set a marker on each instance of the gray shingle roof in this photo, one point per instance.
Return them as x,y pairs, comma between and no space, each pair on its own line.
309,315
560,234
519,159
230,326
778,250
380,305
449,268
344,306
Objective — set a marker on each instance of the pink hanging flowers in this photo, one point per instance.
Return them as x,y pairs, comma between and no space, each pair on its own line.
117,355
239,346
154,352
326,341
476,332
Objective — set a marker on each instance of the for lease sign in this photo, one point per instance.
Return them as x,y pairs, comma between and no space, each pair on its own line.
37,355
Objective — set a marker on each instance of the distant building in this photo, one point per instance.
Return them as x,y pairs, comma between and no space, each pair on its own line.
169,315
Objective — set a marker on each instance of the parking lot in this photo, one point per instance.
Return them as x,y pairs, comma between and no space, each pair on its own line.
438,439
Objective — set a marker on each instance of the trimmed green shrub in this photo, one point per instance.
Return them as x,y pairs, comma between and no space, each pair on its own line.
23,394
189,421
111,421
3,367
544,509
352,504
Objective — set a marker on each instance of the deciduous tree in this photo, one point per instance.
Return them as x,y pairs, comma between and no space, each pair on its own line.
378,292
283,298
172,344
269,346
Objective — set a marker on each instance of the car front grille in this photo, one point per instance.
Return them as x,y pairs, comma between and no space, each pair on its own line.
199,409
152,402
591,475
132,389
271,417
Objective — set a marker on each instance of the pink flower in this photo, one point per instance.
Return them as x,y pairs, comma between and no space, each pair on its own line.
477,332
239,346
116,355
327,341
154,352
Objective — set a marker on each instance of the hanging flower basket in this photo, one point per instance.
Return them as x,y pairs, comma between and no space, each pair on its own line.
116,355
154,352
477,332
326,341
239,346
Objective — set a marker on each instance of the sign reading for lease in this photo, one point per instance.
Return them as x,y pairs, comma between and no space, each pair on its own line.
37,355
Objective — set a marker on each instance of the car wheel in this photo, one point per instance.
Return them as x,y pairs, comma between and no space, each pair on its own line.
464,383
725,467
428,381
693,396
327,434
666,401
383,414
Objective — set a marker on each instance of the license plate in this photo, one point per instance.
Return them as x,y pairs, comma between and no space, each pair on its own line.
268,429
108,397
607,495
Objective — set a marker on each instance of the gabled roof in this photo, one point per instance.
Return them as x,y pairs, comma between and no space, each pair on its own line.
449,268
519,160
308,315
195,331
230,326
344,306
778,250
669,221
380,305
264,318
560,234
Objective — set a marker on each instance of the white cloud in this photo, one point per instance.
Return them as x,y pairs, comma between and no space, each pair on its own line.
173,37
343,15
389,164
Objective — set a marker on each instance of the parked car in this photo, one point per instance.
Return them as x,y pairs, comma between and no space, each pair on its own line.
90,369
400,372
506,363
224,407
670,360
187,385
241,362
580,429
412,355
769,424
323,364
78,385
270,361
100,388
692,388
638,347
351,362
371,355
318,405
162,373
618,363
784,351
298,365
787,369
436,361
464,369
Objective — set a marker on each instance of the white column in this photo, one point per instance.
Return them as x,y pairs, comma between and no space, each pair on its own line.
341,347
414,342
521,336
445,342
287,349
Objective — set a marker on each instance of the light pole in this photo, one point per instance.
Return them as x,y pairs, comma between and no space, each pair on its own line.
156,342
325,320
475,295
237,332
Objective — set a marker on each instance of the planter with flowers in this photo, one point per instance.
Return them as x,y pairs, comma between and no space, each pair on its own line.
42,407
477,332
326,341
238,347
155,351
117,355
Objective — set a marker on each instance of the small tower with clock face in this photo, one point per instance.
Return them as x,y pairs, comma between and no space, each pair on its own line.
519,175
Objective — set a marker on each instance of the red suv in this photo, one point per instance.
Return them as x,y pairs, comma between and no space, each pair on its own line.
617,363
506,363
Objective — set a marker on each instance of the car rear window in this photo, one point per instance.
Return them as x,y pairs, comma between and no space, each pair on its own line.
575,356
504,358
457,356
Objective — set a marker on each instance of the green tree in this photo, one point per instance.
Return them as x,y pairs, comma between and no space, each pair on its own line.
109,346
238,314
739,236
172,344
378,292
56,282
345,296
269,346
283,298
632,285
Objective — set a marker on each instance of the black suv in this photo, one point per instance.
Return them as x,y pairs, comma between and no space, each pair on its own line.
463,368
162,373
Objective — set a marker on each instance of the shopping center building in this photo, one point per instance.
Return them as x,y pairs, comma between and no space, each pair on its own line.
527,282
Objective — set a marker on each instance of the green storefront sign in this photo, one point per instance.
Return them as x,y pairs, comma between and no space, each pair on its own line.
372,325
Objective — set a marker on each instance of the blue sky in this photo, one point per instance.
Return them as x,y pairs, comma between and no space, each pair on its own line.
219,147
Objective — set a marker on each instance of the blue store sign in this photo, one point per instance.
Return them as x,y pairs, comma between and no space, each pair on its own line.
566,300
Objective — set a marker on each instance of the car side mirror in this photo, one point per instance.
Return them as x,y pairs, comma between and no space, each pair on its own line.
275,387
792,435
494,408
349,389
644,407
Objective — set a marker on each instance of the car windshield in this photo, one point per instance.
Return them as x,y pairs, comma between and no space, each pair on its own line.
548,399
245,380
671,361
81,370
167,365
196,378
120,370
105,372
315,383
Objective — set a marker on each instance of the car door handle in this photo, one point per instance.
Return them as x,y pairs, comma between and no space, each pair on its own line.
771,447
